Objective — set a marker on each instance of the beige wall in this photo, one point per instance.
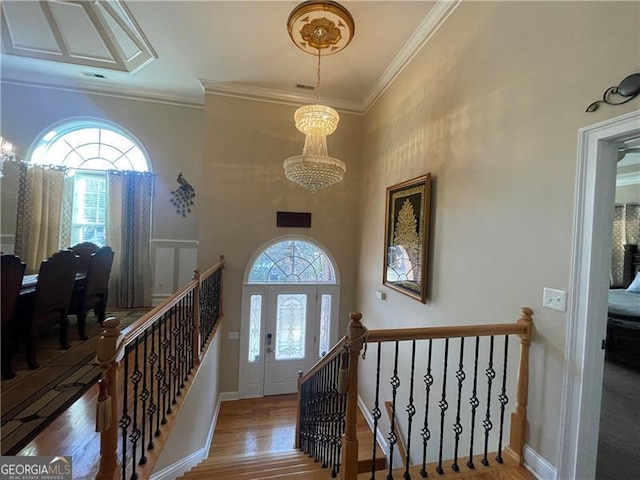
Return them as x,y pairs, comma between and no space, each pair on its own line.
243,186
171,135
491,107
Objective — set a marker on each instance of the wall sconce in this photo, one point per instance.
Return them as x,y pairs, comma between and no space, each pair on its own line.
628,89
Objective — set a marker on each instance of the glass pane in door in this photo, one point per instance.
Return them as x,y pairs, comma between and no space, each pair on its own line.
290,326
325,323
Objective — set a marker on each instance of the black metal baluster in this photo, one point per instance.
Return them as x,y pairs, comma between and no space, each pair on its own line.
144,396
153,408
457,426
411,410
393,439
125,420
425,433
503,397
325,420
376,413
190,329
443,405
474,403
486,423
182,363
175,353
134,436
335,418
166,405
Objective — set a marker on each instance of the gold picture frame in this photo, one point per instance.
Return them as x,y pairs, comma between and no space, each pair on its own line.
406,237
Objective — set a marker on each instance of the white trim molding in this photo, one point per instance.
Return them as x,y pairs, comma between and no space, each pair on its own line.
538,465
586,315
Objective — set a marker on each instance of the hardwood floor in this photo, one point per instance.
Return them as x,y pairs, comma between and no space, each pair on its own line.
245,428
255,425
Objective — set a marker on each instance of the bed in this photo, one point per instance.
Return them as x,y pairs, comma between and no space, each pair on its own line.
623,314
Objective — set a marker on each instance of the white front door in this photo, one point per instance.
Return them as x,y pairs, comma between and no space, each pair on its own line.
290,336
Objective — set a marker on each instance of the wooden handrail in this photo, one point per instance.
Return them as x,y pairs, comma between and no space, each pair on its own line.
211,270
333,353
111,350
132,331
427,333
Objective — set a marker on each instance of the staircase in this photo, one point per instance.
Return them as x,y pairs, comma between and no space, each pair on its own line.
293,464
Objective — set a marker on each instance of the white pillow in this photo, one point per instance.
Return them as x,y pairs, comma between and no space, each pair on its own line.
635,285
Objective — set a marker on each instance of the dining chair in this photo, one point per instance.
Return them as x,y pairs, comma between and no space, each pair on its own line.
49,303
84,250
12,271
94,290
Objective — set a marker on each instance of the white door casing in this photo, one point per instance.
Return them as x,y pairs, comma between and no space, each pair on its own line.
586,316
261,373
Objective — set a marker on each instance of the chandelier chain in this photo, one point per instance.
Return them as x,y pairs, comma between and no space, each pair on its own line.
318,80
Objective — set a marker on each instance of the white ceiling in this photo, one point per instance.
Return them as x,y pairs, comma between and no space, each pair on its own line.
235,47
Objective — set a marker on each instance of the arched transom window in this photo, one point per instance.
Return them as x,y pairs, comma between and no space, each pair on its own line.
292,261
89,148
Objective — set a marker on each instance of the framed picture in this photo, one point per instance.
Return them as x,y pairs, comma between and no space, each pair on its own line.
406,236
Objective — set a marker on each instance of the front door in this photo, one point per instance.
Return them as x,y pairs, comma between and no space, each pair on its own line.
290,336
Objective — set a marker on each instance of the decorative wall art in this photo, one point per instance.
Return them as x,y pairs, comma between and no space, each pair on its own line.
182,197
406,236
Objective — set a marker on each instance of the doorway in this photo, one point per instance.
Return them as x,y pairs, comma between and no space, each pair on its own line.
290,301
586,327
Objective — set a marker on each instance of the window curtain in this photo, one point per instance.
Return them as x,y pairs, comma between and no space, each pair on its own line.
129,196
626,231
41,190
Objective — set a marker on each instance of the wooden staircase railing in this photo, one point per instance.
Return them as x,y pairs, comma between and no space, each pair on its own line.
146,373
429,348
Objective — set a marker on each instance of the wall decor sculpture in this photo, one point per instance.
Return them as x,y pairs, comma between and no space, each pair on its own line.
406,237
182,197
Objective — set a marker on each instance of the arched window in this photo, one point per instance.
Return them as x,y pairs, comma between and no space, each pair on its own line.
88,148
292,261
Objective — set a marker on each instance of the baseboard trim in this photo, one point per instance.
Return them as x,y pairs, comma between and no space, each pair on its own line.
180,467
370,420
538,465
226,396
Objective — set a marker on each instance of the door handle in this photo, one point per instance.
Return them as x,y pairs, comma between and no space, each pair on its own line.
268,343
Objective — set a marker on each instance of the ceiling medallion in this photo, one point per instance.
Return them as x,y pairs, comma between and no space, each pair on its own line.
315,27
323,25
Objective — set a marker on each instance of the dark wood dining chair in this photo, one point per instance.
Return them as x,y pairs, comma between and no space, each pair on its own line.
94,290
84,251
12,271
49,303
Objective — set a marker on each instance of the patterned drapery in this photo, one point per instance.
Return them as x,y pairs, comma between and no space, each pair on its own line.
40,194
626,230
129,196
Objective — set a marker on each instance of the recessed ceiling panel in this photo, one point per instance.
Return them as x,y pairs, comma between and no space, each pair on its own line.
124,40
79,32
38,37
98,33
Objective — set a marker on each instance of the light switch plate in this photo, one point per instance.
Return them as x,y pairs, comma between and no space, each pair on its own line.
233,336
554,299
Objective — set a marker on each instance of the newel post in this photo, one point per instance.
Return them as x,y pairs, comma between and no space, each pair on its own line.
196,319
355,340
519,417
108,400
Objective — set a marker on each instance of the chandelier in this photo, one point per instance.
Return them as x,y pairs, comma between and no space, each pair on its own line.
314,27
6,154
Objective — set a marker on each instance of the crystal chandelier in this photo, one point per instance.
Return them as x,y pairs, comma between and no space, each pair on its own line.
6,154
315,26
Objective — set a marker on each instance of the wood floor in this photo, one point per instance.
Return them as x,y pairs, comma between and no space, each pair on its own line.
245,428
